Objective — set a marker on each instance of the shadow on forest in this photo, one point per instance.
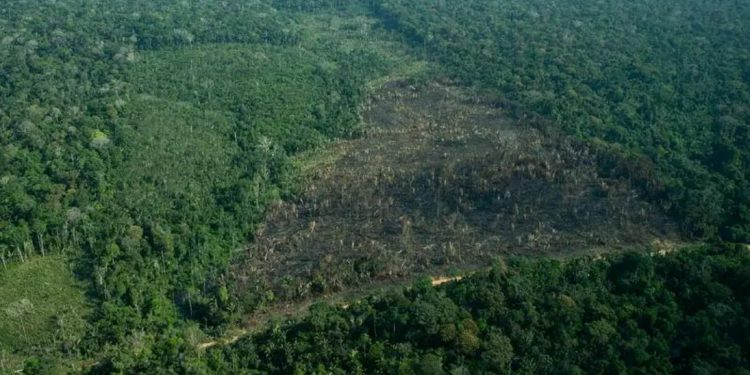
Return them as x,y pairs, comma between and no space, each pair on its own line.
441,180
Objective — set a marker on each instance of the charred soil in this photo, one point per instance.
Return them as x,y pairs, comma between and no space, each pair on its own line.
442,180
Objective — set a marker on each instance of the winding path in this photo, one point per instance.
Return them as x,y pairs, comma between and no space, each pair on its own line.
236,335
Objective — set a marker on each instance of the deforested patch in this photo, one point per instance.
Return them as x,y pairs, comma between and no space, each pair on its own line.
441,180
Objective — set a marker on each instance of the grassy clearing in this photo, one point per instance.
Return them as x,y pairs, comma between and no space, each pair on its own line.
360,32
41,306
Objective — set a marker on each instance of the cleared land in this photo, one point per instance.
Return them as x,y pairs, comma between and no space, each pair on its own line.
41,306
442,180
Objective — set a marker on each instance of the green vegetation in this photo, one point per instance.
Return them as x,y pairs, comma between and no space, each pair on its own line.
144,141
686,312
42,307
167,168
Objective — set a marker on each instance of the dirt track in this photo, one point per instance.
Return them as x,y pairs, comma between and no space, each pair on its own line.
436,281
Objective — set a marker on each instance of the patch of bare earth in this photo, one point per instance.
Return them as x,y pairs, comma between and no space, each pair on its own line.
440,181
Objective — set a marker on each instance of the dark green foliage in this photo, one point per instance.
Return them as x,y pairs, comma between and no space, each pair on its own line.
146,138
681,313
667,81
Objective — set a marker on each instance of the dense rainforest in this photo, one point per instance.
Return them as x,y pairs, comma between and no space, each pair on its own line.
154,154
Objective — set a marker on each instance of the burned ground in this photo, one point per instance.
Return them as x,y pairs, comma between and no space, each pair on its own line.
440,181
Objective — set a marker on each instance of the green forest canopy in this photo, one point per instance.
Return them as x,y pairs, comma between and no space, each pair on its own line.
686,312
